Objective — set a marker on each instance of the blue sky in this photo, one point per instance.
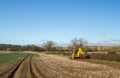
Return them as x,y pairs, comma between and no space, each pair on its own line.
35,21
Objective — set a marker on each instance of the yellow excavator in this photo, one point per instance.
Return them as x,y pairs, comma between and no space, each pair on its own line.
79,53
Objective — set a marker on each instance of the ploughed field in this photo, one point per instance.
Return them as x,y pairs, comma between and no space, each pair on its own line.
40,65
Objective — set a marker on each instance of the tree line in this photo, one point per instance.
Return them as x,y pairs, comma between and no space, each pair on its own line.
47,46
51,46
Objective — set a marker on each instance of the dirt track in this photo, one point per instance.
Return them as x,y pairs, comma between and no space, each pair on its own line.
52,66
23,69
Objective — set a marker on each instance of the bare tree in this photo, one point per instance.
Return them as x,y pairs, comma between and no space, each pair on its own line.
49,45
78,42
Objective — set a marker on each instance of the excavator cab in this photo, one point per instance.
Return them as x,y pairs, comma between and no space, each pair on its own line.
74,51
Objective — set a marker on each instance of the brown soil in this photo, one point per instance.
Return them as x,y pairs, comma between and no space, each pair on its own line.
52,66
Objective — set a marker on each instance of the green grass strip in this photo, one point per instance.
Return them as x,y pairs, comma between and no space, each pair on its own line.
11,57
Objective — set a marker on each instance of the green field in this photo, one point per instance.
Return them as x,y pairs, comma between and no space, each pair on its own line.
11,57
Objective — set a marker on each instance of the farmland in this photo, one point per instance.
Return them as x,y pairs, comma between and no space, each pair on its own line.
41,65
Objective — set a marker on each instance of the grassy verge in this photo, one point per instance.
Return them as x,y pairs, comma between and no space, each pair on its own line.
11,57
36,55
